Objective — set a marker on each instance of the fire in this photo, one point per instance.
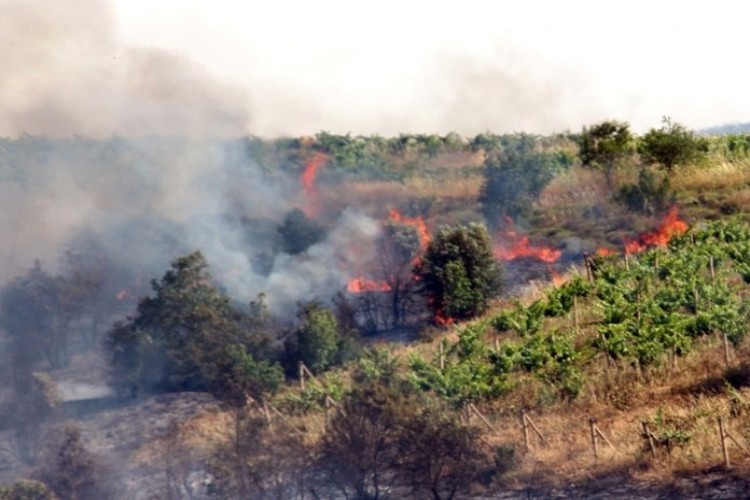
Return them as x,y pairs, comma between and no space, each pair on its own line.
442,320
362,285
311,170
669,228
415,222
557,278
604,252
519,247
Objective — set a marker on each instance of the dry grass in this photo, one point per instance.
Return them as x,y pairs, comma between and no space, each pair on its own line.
719,177
577,185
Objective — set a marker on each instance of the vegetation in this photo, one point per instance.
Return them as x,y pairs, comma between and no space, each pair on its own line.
459,272
187,337
672,145
656,334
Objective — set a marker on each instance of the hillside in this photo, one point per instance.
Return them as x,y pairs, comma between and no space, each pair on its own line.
315,361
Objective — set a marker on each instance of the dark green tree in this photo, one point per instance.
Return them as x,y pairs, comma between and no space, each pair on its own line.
187,336
671,145
35,314
605,145
515,173
318,342
459,272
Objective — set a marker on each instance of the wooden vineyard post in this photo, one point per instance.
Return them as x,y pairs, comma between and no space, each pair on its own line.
726,350
596,434
526,422
724,449
301,367
442,356
479,414
724,434
594,444
575,313
327,406
650,436
711,265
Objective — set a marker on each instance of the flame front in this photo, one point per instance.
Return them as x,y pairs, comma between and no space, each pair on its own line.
362,285
669,228
519,247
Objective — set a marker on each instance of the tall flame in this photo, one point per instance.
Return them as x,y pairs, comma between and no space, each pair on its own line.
669,228
514,246
311,170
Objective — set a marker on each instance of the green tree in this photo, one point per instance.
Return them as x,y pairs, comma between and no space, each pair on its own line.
604,145
672,144
36,315
514,176
318,342
186,337
459,272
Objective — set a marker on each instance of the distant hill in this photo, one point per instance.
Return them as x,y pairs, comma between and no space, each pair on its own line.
728,128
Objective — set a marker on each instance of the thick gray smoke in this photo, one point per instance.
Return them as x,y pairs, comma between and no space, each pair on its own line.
152,196
147,201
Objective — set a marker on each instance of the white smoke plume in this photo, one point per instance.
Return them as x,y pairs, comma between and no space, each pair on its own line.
65,72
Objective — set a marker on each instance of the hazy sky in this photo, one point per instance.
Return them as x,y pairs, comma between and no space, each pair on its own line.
435,66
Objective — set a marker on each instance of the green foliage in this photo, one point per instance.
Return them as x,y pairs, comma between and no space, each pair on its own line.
515,175
604,145
185,337
470,373
298,232
650,195
671,145
459,272
245,376
317,337
26,489
318,341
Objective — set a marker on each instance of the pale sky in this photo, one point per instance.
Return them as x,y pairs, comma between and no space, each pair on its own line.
438,66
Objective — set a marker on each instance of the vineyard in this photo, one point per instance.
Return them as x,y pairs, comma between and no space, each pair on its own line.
642,310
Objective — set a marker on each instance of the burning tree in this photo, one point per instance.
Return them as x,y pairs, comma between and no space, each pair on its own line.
459,272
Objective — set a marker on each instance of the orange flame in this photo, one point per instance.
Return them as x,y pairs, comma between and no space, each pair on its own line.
669,228
604,252
415,222
442,320
311,170
362,285
557,278
518,247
